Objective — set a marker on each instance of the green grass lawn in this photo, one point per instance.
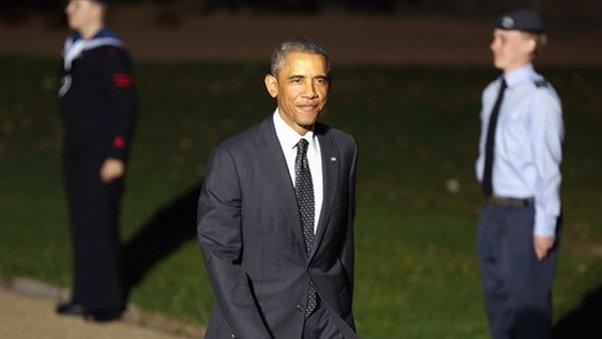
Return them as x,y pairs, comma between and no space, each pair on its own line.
417,127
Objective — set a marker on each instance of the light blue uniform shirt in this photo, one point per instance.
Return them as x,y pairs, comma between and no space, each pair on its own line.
528,140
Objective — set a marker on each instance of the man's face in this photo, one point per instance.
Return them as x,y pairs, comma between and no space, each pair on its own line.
81,13
301,89
511,49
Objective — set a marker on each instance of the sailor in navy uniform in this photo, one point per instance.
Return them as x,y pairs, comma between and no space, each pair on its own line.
98,106
518,167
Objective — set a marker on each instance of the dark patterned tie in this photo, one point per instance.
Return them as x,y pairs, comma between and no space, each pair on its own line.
304,191
490,143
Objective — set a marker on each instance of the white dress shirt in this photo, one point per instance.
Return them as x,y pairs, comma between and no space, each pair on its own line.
289,138
528,140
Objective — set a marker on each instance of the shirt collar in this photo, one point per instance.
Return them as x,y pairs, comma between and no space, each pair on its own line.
102,33
105,33
287,135
519,75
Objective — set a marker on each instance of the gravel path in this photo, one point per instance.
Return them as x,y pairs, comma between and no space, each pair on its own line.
26,317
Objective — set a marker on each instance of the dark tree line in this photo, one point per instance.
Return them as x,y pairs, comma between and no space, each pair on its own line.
298,5
580,12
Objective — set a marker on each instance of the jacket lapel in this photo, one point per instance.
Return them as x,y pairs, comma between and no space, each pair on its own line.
274,162
330,170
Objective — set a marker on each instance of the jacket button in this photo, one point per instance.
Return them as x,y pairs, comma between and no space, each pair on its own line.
300,308
233,335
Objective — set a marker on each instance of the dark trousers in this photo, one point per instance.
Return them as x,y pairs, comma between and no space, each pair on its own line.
517,287
319,325
94,210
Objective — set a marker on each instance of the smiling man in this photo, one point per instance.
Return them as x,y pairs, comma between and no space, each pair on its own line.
275,214
518,167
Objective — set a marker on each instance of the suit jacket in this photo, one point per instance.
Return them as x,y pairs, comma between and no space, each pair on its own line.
250,232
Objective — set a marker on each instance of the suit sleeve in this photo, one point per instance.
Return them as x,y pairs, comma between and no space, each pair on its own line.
219,234
121,102
347,253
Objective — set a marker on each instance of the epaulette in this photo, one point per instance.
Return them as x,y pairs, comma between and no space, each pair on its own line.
540,83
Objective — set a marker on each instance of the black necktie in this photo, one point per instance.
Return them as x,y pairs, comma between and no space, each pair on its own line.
304,191
490,143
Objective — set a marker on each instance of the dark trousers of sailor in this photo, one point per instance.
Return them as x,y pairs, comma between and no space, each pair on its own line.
319,325
98,282
517,287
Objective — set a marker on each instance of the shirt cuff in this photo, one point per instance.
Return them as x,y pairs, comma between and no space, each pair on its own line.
545,225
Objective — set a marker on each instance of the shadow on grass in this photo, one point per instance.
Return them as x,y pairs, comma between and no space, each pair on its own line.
584,321
163,234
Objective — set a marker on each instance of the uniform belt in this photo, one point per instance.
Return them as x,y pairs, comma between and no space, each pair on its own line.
501,201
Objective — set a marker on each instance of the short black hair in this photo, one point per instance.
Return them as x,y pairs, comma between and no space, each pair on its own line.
298,45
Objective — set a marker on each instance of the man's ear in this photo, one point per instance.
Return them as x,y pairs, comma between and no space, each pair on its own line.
530,44
98,11
271,84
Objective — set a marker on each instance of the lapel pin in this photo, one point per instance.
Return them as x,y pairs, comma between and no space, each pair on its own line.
333,159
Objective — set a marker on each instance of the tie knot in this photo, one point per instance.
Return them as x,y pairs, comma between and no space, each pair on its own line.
302,146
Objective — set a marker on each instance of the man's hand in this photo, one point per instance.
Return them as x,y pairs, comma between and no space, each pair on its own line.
111,169
543,245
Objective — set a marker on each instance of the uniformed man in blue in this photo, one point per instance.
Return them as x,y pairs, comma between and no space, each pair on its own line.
98,106
518,167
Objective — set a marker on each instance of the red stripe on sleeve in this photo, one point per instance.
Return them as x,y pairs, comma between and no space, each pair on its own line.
123,80
118,142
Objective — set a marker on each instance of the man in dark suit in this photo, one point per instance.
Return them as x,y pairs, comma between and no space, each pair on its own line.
275,217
